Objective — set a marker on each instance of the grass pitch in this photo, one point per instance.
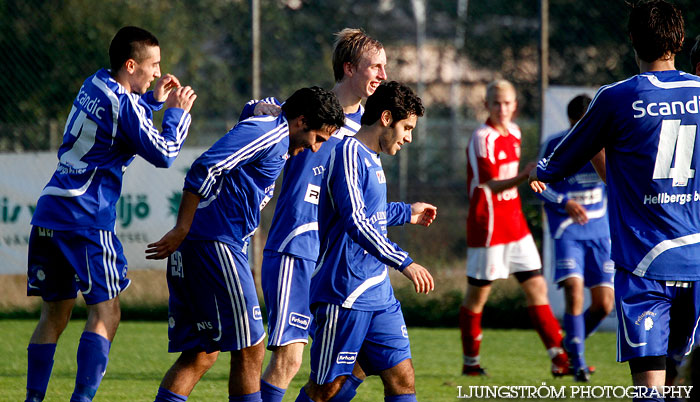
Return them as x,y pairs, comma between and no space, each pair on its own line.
139,359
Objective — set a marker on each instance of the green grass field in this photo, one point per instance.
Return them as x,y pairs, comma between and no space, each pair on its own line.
139,359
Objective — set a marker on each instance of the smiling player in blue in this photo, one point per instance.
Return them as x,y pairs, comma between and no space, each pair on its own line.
72,245
213,303
648,128
357,317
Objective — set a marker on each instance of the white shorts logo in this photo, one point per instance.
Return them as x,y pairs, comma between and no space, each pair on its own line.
299,321
404,331
257,315
346,358
313,194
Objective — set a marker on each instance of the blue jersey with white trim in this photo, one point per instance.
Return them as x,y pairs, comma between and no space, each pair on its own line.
294,228
353,216
587,189
648,125
236,179
106,128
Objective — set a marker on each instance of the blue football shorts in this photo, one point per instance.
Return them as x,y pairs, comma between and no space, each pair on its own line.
378,340
655,318
213,304
62,262
285,283
585,259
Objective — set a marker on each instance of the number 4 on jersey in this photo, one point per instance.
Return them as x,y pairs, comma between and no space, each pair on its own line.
679,140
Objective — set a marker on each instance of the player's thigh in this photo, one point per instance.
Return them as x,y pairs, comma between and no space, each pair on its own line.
487,263
386,343
338,337
643,313
285,282
213,303
569,260
599,268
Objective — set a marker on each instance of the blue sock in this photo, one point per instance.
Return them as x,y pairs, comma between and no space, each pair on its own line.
165,395
93,355
39,366
400,398
254,397
303,397
270,393
348,391
592,321
575,328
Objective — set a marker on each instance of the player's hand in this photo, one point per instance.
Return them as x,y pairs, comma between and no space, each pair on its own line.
164,85
262,108
536,185
576,212
166,245
423,213
421,278
182,97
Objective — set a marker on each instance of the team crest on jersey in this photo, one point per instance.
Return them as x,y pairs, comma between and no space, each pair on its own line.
257,315
367,163
299,321
404,331
346,358
285,156
380,176
313,194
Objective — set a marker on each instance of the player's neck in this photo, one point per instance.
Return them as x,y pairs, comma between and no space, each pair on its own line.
501,127
662,64
349,101
122,78
369,136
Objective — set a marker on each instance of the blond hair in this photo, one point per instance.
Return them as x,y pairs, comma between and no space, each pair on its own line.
498,85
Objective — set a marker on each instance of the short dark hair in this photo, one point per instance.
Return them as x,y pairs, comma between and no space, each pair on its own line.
350,45
318,106
656,28
695,55
129,43
395,97
577,107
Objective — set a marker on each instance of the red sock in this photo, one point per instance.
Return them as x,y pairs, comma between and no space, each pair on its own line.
548,328
470,326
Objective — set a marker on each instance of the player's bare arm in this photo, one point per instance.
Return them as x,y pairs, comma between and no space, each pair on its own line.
598,163
423,213
421,278
164,85
182,97
498,186
263,108
172,240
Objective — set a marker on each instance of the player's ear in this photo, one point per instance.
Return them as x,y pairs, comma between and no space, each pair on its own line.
347,68
130,66
386,118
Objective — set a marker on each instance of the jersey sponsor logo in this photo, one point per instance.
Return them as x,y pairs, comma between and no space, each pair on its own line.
204,325
257,315
91,105
378,217
318,170
313,194
666,198
346,358
507,195
586,197
666,108
508,170
404,331
299,321
380,177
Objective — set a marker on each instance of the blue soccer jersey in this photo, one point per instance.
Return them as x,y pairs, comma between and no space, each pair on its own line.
353,217
106,128
648,127
587,189
236,179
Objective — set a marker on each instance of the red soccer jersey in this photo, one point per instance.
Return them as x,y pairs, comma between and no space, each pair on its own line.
493,218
